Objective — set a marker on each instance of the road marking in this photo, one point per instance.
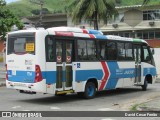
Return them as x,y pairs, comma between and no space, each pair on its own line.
26,110
15,107
55,108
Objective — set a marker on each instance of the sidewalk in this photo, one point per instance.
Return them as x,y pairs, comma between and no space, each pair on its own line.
153,105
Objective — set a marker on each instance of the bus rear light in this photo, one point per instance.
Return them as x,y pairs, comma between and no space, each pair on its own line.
38,74
6,72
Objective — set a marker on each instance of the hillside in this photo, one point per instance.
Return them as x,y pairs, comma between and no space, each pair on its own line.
23,8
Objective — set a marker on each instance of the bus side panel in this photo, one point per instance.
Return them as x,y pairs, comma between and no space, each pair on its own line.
110,75
148,69
85,71
128,73
120,74
51,77
40,57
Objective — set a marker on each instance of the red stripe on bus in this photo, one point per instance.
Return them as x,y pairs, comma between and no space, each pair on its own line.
91,36
85,31
106,75
64,33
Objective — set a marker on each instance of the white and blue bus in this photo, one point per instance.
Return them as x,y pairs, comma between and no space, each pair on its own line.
63,60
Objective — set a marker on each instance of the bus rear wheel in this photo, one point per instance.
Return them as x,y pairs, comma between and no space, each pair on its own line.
90,90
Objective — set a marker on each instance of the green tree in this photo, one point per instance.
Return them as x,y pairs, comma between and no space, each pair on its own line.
92,10
7,19
145,1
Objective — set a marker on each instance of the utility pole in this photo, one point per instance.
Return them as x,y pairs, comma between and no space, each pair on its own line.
41,3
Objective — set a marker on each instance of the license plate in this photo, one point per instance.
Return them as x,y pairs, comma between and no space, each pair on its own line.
20,84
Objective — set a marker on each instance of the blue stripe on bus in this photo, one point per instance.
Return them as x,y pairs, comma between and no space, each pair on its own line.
29,76
21,76
82,75
151,71
50,77
112,81
100,37
94,32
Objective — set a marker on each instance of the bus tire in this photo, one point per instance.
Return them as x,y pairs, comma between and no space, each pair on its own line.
90,90
144,87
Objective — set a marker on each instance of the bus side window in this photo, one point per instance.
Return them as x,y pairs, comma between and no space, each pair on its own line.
49,50
101,50
82,53
91,50
128,51
111,52
146,55
121,51
86,50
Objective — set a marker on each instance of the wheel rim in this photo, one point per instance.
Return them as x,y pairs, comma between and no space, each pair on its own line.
90,90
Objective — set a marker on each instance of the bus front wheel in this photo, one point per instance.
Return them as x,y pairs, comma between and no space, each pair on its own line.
144,86
90,90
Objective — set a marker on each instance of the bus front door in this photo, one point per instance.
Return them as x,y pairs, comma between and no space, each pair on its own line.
64,65
137,55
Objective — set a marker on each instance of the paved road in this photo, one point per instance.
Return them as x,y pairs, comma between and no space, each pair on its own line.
122,99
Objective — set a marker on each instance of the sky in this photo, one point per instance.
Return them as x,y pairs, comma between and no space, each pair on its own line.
9,1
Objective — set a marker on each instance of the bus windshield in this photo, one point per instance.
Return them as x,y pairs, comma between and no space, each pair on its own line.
21,43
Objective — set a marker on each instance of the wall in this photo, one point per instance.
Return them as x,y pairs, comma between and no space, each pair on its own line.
157,60
133,17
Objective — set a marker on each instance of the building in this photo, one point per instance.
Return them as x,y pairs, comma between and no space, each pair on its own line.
49,20
133,21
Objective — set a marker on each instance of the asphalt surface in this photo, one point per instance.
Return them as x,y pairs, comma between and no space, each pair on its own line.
115,100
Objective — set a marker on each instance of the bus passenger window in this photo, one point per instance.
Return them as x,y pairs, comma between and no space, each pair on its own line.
121,51
101,50
129,51
111,52
146,55
91,50
86,50
49,50
82,53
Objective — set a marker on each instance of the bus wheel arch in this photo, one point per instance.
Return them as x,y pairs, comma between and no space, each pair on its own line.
90,89
148,78
93,80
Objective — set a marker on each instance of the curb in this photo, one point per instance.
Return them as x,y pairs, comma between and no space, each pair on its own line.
148,109
149,105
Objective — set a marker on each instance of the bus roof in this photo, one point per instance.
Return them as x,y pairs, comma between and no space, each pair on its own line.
78,32
86,33
75,30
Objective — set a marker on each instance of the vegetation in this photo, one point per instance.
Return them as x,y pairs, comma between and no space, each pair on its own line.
23,8
92,10
7,19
